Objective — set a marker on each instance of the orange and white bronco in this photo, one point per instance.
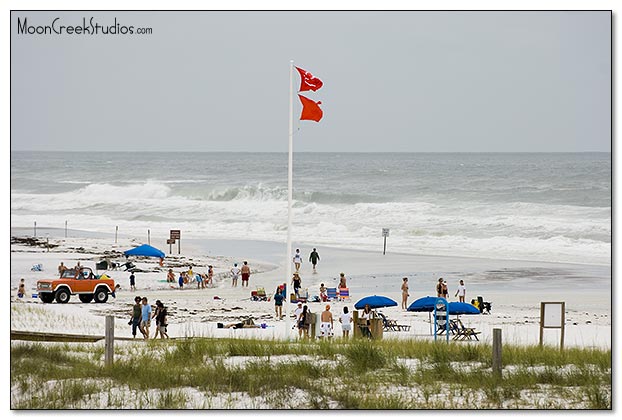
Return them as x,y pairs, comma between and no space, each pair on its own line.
81,282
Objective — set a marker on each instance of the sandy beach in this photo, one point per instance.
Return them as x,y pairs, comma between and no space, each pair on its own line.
515,289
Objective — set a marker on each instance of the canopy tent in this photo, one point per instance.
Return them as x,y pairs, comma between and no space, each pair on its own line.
145,251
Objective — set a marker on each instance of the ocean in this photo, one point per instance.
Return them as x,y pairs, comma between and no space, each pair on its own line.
553,207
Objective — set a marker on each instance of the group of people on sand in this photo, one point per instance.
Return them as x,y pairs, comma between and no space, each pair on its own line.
142,314
303,318
442,290
186,278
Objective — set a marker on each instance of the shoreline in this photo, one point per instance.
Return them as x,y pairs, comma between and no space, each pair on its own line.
508,284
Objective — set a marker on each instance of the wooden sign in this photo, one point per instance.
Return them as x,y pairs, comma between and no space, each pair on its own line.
175,234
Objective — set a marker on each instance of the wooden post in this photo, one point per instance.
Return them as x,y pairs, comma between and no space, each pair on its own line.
65,228
35,229
312,333
109,335
116,230
356,330
496,351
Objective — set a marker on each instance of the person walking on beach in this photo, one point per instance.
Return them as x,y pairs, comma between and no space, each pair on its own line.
405,293
278,303
132,282
160,315
326,323
445,290
439,288
297,260
296,283
346,322
461,292
146,318
342,281
136,317
235,272
314,257
170,276
246,274
157,319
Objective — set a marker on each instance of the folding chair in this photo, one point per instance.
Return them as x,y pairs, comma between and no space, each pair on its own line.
465,333
344,293
331,293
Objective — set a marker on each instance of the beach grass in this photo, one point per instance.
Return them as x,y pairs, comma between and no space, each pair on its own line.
355,374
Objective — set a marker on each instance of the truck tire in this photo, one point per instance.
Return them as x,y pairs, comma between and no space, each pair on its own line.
101,295
86,297
46,297
62,295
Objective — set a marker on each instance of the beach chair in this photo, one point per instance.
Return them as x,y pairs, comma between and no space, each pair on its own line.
464,333
37,267
388,324
331,293
344,293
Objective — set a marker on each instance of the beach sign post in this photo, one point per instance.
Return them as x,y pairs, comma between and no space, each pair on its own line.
385,233
176,235
170,243
553,315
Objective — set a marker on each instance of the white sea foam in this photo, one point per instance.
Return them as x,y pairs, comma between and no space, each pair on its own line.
462,204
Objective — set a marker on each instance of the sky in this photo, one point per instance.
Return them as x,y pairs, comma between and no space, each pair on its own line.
394,81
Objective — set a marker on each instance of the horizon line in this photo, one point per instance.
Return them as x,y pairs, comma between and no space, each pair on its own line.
303,151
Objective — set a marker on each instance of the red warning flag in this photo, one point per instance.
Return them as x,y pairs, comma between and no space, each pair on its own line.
307,81
310,109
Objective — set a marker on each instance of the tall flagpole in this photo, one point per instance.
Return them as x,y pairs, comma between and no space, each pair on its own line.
288,262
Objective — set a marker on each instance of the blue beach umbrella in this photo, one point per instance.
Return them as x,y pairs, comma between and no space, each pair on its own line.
462,308
375,302
423,304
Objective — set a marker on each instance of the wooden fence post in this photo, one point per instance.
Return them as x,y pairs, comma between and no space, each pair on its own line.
496,351
109,335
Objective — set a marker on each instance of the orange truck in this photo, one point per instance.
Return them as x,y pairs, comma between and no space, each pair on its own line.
80,282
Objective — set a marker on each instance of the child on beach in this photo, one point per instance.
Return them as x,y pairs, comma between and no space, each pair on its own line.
170,277
323,295
181,280
21,290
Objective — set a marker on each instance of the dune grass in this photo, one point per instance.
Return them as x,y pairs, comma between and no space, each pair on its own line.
356,374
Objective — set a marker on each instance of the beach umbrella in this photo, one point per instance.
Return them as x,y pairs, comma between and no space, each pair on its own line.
375,302
462,308
145,251
424,304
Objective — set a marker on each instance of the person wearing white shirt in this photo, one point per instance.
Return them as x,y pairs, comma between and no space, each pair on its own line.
235,272
461,292
346,322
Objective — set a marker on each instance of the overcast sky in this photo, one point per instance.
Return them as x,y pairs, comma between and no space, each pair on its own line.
393,81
